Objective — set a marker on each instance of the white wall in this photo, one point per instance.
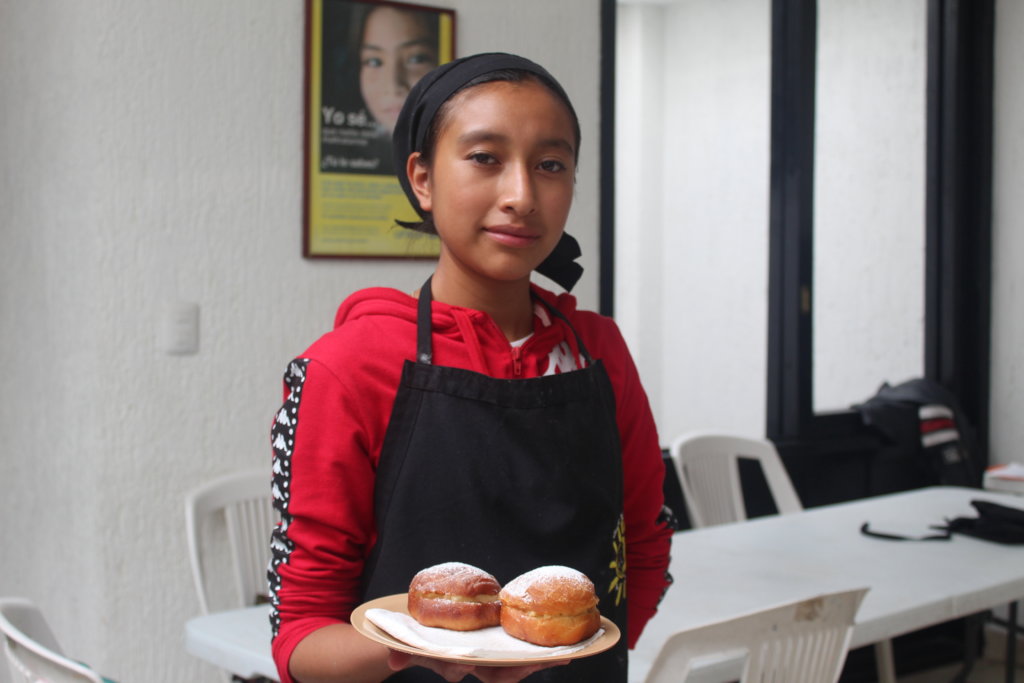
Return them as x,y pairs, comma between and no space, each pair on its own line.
869,198
692,152
1007,394
150,152
639,117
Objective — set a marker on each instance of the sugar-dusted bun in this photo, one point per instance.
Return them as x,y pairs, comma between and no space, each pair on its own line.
550,606
455,596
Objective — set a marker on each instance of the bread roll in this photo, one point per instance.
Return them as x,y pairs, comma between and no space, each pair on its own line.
550,606
455,596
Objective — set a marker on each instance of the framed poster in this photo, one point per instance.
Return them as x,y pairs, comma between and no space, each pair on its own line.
362,57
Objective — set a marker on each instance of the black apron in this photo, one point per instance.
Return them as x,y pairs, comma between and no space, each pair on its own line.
506,475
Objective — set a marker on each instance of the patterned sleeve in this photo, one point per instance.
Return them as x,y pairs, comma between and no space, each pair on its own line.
323,490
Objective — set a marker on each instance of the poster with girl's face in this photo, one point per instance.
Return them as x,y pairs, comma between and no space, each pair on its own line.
364,57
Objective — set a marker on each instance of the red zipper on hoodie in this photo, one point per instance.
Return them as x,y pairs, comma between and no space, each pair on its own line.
517,360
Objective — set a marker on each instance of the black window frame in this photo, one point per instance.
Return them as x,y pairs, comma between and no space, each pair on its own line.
606,231
957,287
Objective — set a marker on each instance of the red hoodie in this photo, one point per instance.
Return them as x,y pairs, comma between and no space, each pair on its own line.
327,439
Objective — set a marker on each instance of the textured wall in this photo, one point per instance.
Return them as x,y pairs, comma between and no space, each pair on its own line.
692,208
869,198
150,153
1007,396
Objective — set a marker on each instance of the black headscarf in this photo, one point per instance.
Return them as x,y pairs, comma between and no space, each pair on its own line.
422,105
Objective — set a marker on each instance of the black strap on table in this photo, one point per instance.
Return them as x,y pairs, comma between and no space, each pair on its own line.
945,534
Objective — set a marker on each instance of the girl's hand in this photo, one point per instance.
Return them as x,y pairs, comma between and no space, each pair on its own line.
453,672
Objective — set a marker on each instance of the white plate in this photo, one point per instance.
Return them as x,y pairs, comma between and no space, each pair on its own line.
399,603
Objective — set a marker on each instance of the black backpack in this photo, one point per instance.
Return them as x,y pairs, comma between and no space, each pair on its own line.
994,522
922,417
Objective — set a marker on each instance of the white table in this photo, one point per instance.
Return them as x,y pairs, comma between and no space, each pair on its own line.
237,640
726,570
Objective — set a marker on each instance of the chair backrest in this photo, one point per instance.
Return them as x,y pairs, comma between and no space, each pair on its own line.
32,651
709,474
799,642
244,501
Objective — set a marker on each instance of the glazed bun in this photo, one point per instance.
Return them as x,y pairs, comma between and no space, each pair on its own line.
550,606
455,596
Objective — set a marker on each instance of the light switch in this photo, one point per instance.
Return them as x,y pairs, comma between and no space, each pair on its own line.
179,329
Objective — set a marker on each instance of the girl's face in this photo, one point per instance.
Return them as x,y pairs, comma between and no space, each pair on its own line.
397,51
501,180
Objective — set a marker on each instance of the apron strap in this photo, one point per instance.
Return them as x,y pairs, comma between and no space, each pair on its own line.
424,344
579,340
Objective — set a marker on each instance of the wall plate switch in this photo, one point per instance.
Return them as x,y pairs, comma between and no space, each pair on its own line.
178,332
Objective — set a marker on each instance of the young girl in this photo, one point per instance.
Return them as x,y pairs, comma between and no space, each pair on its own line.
481,419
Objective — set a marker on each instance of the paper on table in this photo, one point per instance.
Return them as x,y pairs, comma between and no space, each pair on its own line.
1013,470
484,643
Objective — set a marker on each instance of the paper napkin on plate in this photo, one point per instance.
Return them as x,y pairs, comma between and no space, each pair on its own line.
485,643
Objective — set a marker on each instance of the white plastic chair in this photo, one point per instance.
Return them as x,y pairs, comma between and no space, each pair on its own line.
244,501
32,651
800,642
709,474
